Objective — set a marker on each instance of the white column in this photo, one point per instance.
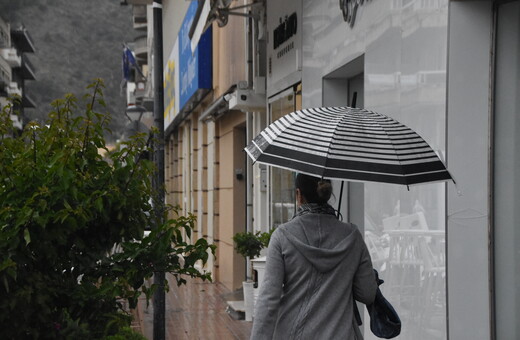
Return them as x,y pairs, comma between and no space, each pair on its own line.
468,143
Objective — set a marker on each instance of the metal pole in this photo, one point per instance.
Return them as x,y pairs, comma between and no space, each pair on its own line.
159,307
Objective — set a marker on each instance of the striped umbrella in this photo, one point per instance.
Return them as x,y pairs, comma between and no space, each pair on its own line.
348,144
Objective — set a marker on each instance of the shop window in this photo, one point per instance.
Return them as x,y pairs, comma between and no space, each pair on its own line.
282,194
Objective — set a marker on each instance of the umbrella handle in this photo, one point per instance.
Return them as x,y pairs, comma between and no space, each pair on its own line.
340,197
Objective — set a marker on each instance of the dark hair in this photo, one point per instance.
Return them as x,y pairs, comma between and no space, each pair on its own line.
314,189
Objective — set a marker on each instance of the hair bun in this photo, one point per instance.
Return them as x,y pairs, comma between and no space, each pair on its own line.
324,190
314,189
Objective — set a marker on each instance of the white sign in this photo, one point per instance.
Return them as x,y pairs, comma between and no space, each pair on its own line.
284,43
349,9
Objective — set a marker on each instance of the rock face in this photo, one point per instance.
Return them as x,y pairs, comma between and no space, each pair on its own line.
75,41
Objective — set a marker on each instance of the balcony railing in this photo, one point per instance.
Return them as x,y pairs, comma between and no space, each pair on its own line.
5,73
27,69
141,48
22,40
16,121
14,89
11,55
139,91
5,35
27,101
139,17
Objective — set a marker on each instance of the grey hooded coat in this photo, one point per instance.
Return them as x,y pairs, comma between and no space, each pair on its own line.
315,266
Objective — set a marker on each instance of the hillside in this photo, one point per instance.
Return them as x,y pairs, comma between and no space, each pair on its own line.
76,41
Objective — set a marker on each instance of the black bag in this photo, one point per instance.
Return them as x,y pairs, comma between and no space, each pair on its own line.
384,321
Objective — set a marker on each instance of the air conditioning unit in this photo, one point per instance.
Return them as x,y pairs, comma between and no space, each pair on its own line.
246,100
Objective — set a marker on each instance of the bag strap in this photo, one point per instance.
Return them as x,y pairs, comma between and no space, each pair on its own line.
357,316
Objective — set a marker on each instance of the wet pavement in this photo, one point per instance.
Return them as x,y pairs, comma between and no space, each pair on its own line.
196,310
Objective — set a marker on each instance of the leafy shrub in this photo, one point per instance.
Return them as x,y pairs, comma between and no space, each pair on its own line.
126,333
72,243
249,244
265,237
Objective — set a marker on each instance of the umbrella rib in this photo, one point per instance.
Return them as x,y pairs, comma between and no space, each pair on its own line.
348,109
397,156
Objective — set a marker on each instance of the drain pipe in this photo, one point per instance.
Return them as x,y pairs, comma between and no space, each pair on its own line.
249,137
159,301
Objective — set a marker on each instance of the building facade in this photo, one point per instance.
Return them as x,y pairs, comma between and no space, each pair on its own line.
448,69
448,253
206,129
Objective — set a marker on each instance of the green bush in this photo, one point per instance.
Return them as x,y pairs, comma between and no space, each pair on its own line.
249,244
63,210
126,333
265,237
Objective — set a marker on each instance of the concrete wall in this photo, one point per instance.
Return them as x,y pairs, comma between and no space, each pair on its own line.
469,77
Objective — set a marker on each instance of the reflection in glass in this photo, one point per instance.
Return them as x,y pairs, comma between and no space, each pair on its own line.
283,200
405,234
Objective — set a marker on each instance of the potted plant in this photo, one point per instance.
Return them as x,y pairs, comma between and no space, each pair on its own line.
249,245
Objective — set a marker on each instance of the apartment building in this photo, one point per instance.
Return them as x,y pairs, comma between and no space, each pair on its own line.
15,68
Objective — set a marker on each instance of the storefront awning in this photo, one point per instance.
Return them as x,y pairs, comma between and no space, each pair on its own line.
236,98
218,108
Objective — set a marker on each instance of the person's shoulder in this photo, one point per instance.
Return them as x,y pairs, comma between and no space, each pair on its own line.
351,230
354,228
289,224
343,224
283,229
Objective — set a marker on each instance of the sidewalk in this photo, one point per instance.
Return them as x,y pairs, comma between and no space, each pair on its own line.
196,310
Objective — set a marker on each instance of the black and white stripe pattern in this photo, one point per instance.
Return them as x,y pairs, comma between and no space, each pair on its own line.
349,144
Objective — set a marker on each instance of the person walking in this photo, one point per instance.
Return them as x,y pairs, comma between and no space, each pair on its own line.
316,267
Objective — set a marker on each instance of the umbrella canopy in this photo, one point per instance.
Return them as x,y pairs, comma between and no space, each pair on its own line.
348,144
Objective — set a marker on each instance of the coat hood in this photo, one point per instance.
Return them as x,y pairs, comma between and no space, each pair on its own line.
320,256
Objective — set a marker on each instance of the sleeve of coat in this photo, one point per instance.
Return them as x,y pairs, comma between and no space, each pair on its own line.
364,286
268,302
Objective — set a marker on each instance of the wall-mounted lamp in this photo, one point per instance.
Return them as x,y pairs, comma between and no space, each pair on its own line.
135,112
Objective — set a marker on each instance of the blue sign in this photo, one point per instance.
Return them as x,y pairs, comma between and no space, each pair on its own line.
195,68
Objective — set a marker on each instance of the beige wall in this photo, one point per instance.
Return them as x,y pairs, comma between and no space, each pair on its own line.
201,157
231,194
229,65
